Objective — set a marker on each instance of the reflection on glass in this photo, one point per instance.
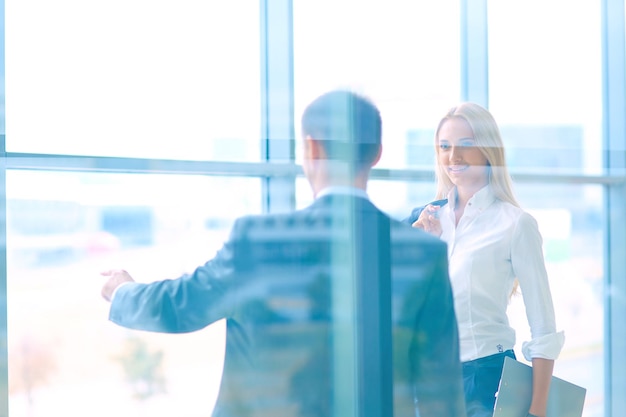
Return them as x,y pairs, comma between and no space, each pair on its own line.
65,357
163,83
385,50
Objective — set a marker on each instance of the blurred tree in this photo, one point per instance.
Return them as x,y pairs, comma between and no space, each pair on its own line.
31,363
143,369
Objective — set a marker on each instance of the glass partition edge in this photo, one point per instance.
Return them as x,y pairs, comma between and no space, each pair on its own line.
4,373
614,126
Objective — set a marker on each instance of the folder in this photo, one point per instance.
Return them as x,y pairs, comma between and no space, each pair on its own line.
514,395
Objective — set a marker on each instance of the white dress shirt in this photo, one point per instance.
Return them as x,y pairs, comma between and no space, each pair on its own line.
343,189
494,243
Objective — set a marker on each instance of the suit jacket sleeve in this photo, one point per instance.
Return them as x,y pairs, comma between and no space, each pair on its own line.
415,213
179,305
438,376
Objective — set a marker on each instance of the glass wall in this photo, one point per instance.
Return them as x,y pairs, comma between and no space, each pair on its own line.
533,76
134,79
545,84
135,137
572,241
63,230
384,50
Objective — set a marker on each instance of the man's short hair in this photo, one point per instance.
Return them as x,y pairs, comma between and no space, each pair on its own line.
348,125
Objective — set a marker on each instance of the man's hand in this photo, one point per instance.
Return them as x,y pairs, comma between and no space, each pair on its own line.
116,277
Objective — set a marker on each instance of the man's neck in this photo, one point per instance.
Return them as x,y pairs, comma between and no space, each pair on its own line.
358,183
342,190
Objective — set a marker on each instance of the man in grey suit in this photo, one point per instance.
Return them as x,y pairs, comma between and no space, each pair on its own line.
332,310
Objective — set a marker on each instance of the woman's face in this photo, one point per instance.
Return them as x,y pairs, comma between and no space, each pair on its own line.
459,156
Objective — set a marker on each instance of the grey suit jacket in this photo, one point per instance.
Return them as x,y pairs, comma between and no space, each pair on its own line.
329,307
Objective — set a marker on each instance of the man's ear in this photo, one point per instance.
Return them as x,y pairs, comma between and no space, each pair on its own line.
378,155
313,149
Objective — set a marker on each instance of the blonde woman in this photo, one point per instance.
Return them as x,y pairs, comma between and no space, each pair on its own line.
492,246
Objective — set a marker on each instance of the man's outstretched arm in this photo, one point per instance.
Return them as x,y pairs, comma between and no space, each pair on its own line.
188,303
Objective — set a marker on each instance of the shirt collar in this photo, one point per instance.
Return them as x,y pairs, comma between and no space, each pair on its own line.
479,201
343,190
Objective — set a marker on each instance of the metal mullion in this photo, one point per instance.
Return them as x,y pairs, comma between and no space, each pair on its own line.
277,98
40,162
427,175
4,368
474,52
614,130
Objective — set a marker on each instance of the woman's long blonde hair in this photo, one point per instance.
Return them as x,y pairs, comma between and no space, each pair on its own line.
489,142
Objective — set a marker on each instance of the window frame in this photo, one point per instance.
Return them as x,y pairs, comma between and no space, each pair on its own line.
279,170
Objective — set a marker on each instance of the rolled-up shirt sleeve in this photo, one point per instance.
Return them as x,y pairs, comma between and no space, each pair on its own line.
529,268
546,347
